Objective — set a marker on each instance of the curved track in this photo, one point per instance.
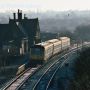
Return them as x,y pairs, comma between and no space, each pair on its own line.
54,76
45,73
46,79
49,73
19,80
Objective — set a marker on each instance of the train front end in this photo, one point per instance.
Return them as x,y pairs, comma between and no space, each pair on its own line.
37,53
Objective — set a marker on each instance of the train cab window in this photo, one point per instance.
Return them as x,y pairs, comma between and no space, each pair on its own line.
37,50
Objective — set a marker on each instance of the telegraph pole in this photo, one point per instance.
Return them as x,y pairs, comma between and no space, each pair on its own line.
57,36
77,47
82,45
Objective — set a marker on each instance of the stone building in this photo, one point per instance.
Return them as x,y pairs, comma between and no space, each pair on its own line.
19,28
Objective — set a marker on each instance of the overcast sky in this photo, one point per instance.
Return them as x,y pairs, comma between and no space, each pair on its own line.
43,5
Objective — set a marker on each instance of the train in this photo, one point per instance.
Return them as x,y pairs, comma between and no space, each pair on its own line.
45,50
41,52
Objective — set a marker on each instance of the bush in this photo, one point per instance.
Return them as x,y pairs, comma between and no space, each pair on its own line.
82,69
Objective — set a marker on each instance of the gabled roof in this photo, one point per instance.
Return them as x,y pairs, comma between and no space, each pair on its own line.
19,28
30,25
9,32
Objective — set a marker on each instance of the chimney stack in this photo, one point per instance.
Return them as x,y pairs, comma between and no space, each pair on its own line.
24,16
19,15
14,16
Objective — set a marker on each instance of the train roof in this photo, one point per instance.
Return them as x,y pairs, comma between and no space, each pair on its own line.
43,44
64,38
52,40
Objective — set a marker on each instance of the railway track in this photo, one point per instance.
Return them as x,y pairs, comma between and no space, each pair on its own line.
53,75
52,83
20,79
10,84
33,82
45,79
26,78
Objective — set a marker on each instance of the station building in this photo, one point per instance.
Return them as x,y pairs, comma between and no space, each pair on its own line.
23,32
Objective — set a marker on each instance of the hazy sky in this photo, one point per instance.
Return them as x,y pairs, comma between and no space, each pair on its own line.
58,5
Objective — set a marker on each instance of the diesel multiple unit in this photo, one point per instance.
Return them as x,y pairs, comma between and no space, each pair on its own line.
43,51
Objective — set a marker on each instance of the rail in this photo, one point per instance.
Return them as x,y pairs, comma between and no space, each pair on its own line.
11,83
48,70
41,70
54,67
15,83
53,75
49,83
51,79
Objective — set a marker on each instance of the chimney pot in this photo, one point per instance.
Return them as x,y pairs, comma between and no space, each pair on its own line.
14,16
